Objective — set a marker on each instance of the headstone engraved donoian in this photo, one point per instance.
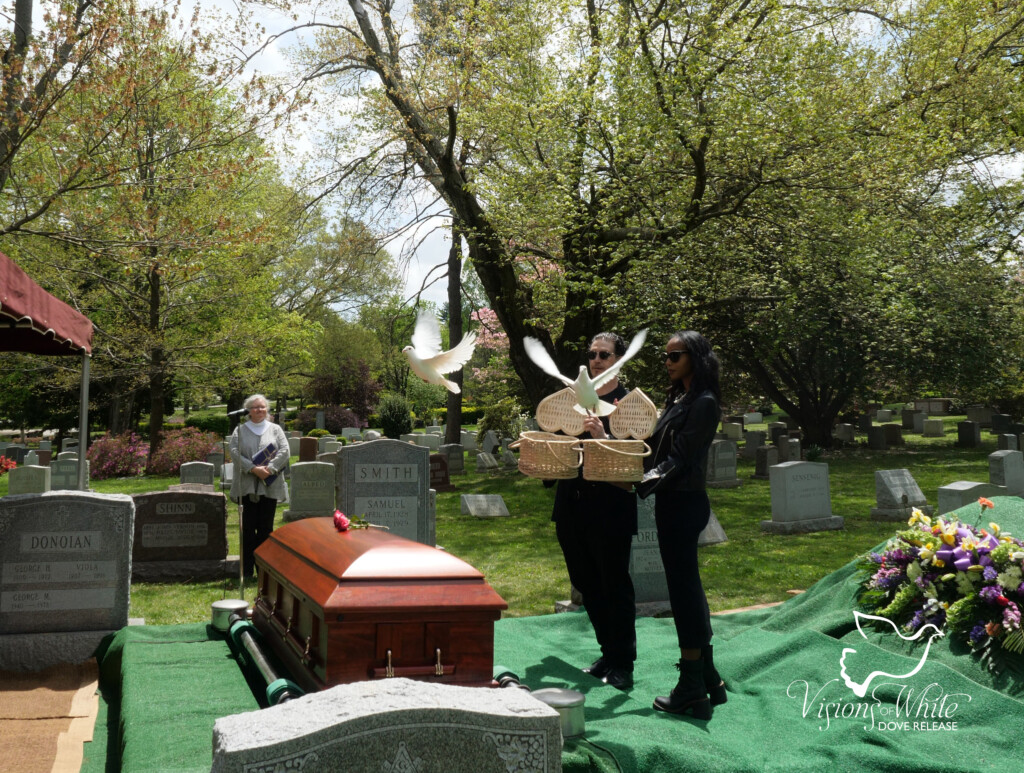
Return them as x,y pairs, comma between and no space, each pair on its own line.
645,565
28,479
439,480
801,500
180,535
722,465
964,492
65,572
897,494
968,434
197,472
311,490
309,447
483,505
767,457
64,475
456,458
387,483
1006,469
394,725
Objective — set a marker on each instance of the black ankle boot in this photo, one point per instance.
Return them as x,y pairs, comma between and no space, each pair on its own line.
689,696
713,683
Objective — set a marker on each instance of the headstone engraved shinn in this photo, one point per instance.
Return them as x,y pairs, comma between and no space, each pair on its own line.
387,482
65,566
178,535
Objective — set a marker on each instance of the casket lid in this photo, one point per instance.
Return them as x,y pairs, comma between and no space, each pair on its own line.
367,554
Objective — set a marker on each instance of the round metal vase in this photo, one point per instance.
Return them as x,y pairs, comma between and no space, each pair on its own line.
222,610
569,705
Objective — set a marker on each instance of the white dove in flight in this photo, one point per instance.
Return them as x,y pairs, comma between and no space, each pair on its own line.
426,358
587,400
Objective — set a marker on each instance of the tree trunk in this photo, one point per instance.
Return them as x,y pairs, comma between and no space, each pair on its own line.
157,367
453,425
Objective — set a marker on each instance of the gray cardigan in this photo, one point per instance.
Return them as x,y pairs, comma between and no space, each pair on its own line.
250,446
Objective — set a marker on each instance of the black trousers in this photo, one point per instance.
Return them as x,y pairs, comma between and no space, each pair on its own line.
257,524
598,565
681,516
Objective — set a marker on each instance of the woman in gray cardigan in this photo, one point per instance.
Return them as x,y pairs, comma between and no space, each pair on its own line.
260,485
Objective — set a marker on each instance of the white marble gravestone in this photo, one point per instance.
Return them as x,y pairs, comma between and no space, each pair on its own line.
801,499
197,472
64,475
897,494
963,492
1006,469
483,505
311,491
28,479
394,726
721,471
387,482
65,573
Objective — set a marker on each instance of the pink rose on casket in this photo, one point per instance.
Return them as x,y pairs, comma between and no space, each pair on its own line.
341,521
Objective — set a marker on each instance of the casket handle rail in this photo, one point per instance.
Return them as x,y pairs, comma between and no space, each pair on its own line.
437,668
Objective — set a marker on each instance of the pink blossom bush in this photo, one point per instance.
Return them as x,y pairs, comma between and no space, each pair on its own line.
117,456
180,446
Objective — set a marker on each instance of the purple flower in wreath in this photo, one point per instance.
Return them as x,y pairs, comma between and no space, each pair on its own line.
1011,617
875,558
991,594
978,633
989,573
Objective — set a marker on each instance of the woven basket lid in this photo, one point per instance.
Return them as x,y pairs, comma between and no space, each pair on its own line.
557,413
634,416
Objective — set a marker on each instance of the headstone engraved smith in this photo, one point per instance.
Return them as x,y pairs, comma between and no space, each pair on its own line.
65,566
387,482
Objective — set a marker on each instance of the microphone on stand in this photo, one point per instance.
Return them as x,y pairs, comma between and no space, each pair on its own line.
239,412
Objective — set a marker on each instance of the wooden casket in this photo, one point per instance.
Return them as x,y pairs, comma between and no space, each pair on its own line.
339,607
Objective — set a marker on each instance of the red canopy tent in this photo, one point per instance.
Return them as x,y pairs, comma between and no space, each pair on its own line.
33,321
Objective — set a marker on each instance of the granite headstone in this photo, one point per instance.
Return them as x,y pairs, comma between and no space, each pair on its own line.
801,499
180,535
312,490
896,495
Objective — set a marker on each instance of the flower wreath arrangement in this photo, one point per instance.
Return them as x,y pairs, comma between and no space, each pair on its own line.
960,578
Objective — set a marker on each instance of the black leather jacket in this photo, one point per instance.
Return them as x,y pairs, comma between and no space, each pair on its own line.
679,446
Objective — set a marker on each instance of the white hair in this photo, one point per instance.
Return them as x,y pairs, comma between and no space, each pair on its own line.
253,398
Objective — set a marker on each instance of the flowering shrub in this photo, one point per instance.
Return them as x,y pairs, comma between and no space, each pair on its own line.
6,464
180,446
117,456
952,575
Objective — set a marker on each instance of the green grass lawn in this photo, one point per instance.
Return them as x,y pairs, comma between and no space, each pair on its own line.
521,559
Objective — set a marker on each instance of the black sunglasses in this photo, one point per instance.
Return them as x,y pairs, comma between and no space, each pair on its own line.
593,355
675,356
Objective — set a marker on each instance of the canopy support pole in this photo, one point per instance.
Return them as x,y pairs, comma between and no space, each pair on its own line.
83,421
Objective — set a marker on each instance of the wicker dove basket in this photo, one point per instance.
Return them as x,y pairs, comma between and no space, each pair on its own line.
614,460
547,456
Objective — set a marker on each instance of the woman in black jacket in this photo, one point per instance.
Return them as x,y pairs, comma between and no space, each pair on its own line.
675,472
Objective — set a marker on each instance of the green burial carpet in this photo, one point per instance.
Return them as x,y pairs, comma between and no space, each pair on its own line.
788,708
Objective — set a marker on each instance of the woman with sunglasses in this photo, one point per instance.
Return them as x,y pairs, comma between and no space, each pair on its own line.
676,470
595,523
260,448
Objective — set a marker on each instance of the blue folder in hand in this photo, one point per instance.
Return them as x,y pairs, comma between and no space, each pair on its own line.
263,457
